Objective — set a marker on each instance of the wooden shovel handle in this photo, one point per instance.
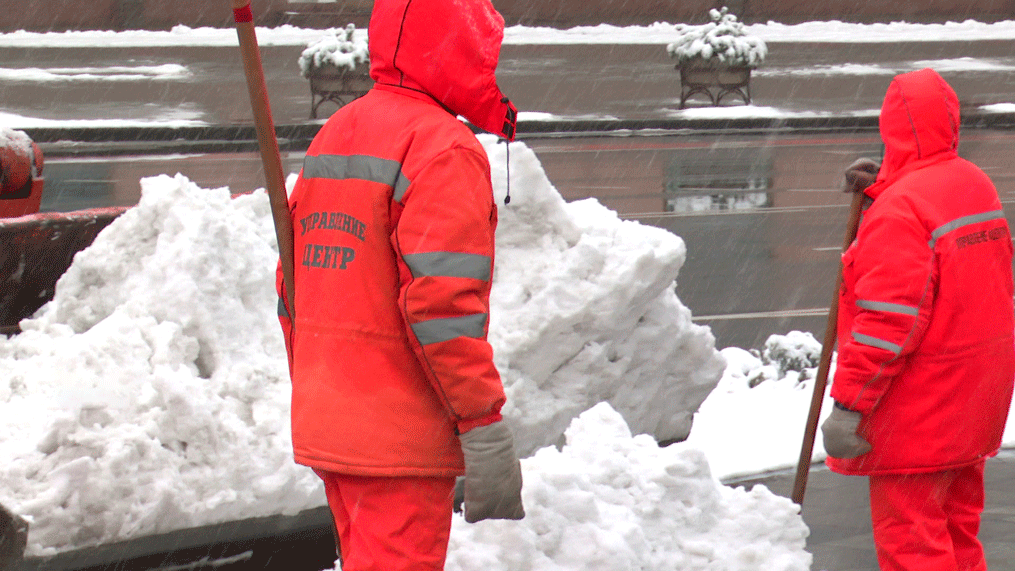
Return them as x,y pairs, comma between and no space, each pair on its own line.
270,158
821,381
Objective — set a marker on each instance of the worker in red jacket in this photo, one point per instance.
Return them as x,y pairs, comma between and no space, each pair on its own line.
395,393
926,358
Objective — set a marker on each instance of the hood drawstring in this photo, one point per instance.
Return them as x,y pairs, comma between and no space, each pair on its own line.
507,153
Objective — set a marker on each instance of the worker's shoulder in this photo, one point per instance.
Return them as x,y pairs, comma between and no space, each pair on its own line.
411,130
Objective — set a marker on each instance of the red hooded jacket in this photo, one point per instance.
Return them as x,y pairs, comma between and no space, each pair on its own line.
394,219
926,349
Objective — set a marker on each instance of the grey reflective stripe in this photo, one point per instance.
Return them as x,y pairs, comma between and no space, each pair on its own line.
282,311
449,264
888,307
358,167
875,342
437,330
964,221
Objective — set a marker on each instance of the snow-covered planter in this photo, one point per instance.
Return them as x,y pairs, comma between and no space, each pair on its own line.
716,59
338,67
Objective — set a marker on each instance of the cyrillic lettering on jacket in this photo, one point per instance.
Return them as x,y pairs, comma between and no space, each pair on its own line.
330,256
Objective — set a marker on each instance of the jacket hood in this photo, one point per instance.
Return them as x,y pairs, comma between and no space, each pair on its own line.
447,49
919,120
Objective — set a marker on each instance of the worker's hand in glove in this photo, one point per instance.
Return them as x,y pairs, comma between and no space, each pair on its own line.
493,476
861,174
839,434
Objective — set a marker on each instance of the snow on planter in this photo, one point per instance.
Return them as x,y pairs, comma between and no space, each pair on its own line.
339,48
722,41
152,392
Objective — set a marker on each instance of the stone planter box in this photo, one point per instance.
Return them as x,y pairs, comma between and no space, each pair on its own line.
338,85
714,80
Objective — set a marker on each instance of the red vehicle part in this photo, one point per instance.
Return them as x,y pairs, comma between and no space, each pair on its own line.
21,179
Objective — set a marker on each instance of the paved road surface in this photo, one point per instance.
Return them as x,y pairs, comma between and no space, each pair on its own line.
624,81
836,508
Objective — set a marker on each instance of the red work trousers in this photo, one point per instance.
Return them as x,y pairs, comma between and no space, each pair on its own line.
390,524
929,522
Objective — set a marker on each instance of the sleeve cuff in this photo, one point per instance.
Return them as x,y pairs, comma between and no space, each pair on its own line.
466,425
841,406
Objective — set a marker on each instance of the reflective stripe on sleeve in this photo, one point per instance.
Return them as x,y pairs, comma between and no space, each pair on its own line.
438,330
887,307
875,342
964,221
449,264
358,167
282,311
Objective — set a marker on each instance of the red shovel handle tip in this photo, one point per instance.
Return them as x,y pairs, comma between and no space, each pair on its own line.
243,14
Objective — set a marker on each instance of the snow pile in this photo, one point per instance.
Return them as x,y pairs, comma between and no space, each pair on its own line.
769,393
152,392
723,40
338,48
584,310
609,501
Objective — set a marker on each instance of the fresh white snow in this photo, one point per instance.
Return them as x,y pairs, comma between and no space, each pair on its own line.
340,48
126,73
722,40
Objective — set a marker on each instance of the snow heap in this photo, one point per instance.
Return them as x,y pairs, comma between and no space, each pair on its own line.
585,310
608,500
134,401
338,48
723,40
769,393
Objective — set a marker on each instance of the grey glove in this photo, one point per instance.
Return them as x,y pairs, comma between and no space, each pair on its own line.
493,475
838,432
861,174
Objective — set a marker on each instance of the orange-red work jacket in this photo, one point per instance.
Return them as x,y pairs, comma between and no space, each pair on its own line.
394,218
926,349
